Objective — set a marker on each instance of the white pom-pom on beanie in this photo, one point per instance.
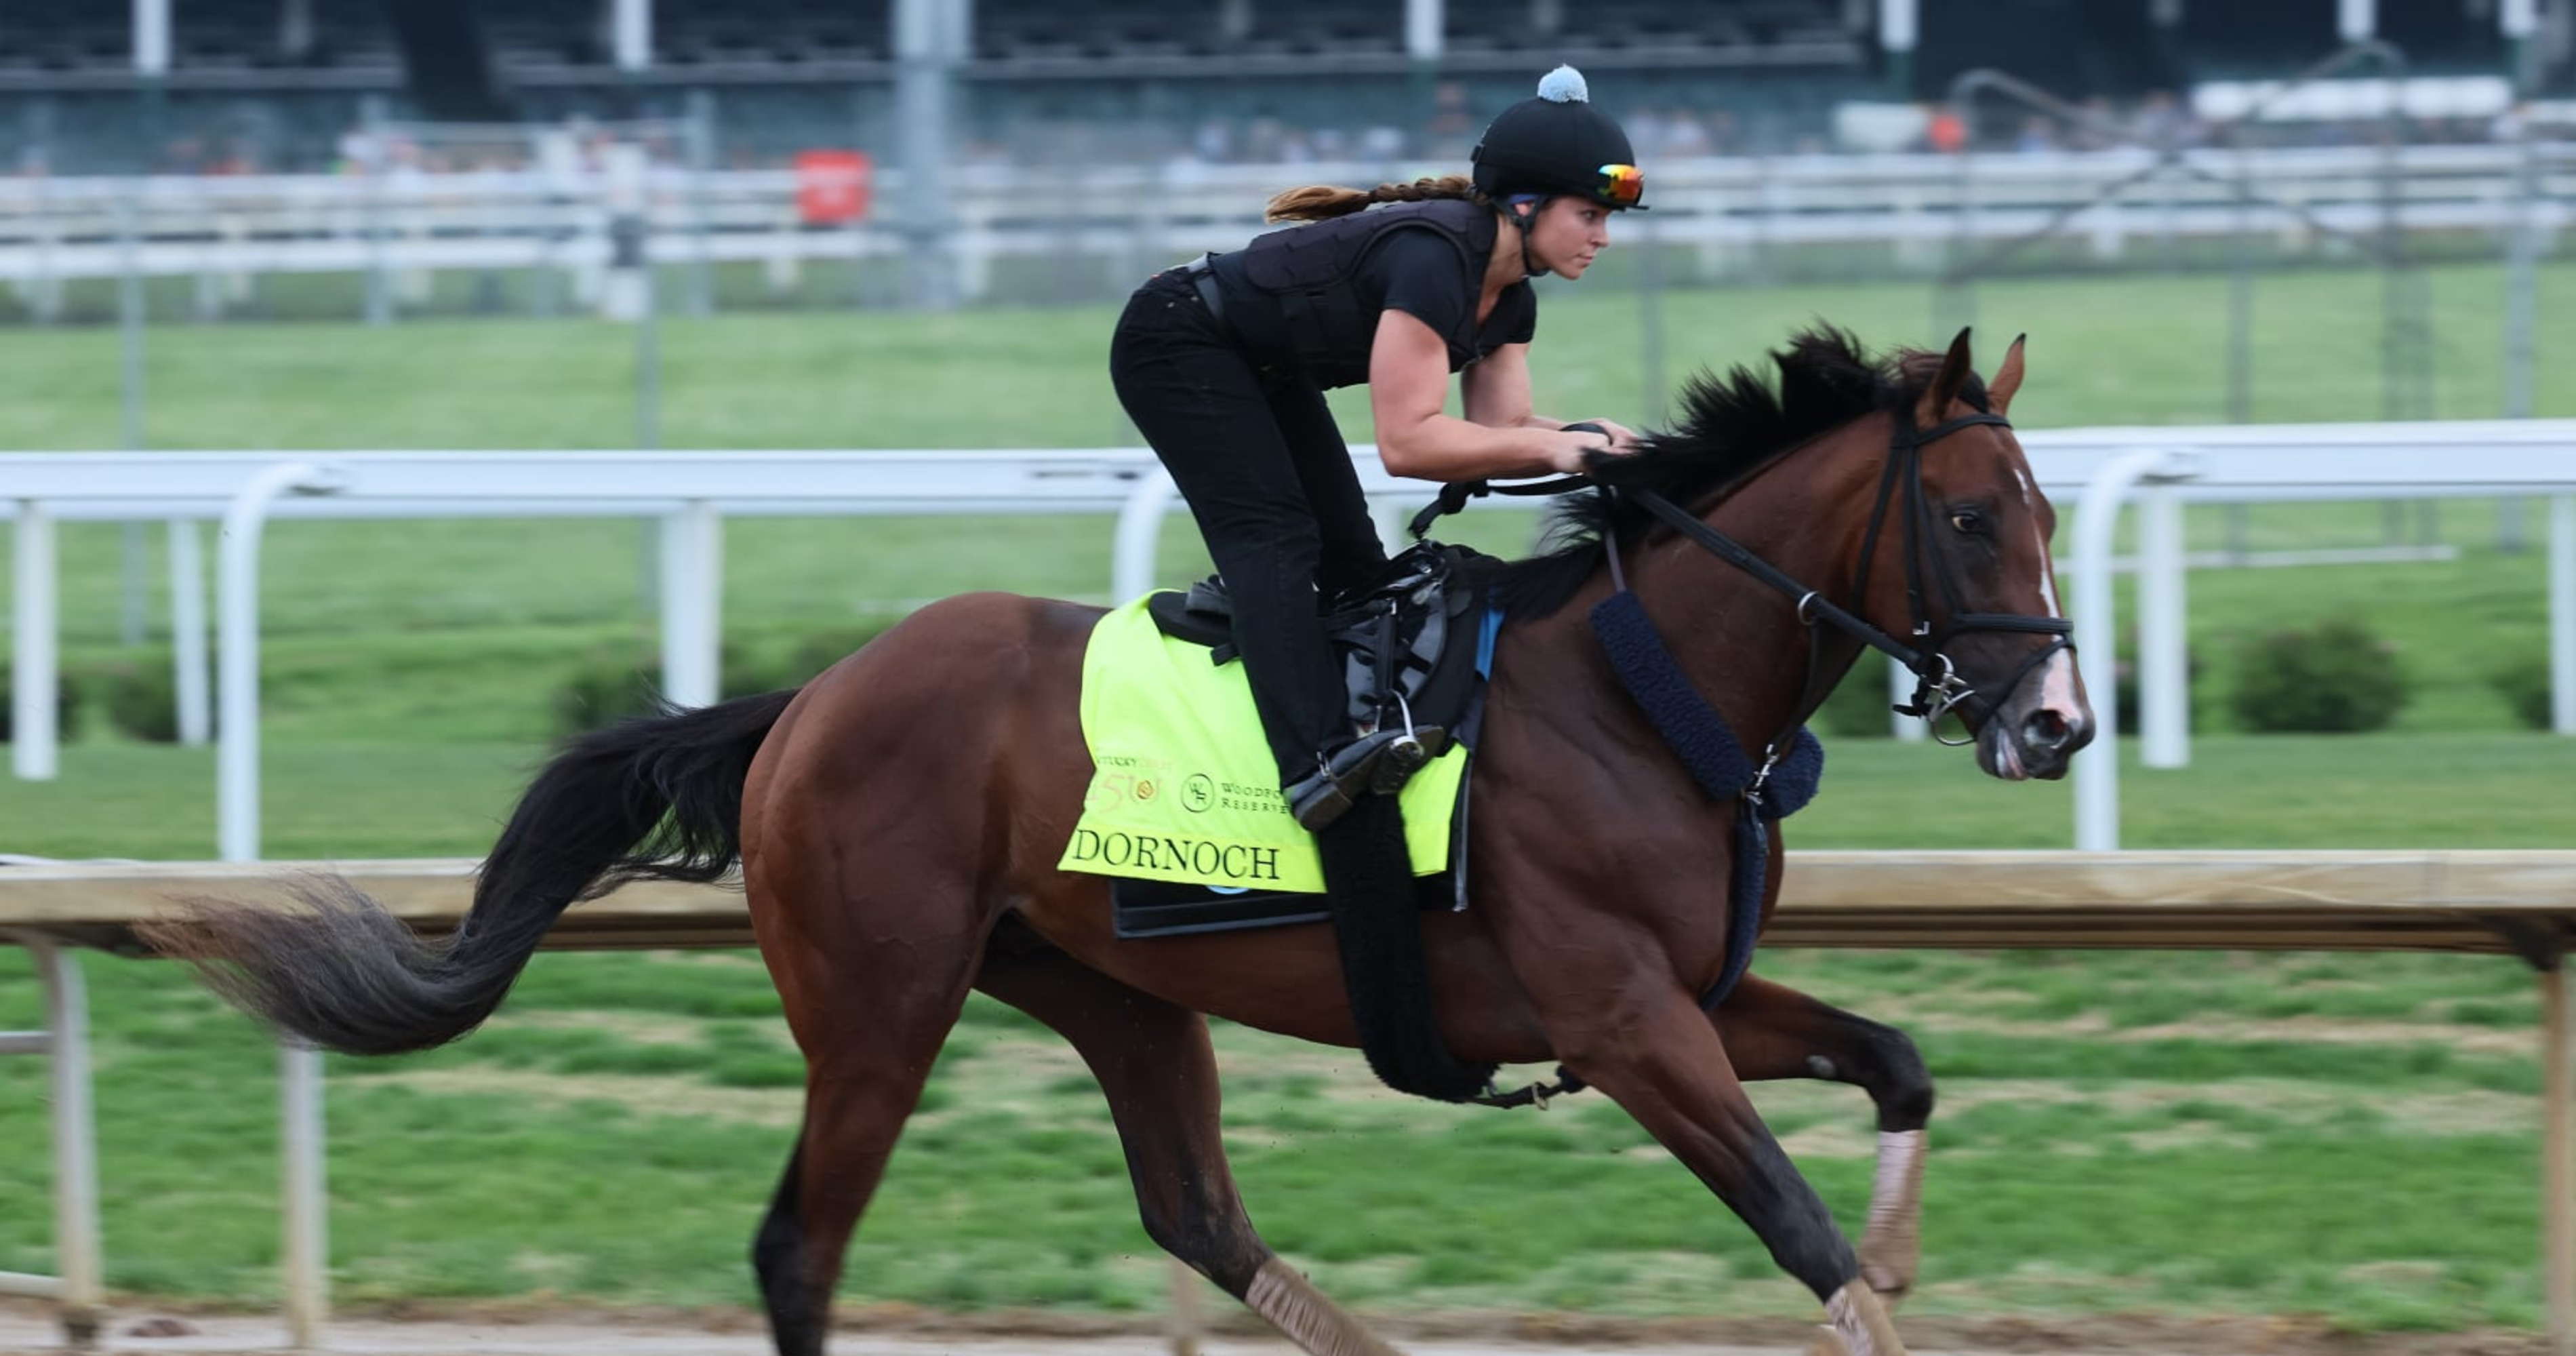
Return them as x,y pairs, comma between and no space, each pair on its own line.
1564,85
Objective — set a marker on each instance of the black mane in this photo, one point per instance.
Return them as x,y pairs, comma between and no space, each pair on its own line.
1730,425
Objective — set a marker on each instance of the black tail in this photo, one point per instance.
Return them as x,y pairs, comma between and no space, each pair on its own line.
659,796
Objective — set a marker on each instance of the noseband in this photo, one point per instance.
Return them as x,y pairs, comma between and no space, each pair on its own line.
1938,689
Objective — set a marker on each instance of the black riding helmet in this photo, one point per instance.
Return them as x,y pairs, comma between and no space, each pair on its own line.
1558,144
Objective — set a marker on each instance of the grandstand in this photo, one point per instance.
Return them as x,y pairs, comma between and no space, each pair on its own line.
281,79
275,85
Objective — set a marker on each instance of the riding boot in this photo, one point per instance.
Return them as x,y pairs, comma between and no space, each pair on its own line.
1380,762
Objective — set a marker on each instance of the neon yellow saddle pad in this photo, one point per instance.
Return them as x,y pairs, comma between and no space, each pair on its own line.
1185,789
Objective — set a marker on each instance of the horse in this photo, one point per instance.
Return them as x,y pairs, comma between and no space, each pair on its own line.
897,823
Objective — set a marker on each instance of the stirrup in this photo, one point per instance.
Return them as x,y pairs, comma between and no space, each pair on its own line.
1411,751
1380,761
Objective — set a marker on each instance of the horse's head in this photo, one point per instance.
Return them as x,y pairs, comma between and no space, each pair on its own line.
1955,565
1927,537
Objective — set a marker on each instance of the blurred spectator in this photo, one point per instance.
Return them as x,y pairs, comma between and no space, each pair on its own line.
1452,131
1686,137
2165,122
1214,142
1261,138
1944,131
2038,136
2511,125
1725,132
2098,129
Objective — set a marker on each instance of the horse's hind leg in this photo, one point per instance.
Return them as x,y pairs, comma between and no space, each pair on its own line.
1654,1052
1155,1065
1773,1031
870,1018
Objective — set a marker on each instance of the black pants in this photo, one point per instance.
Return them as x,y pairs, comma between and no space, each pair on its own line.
1269,479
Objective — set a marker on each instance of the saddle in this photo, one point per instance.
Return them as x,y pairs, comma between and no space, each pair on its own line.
1409,642
1399,665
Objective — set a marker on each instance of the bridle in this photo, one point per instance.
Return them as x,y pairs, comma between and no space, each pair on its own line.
1938,688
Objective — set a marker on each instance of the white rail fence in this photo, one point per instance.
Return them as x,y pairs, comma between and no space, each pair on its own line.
690,493
1131,220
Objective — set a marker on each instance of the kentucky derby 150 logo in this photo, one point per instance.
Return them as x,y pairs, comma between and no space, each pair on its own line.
1126,780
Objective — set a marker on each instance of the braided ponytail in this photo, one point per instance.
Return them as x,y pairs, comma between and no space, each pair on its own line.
1315,202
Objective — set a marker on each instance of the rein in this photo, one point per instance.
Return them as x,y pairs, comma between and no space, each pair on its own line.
1938,689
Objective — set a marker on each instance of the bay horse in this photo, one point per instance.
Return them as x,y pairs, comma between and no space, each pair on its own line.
898,823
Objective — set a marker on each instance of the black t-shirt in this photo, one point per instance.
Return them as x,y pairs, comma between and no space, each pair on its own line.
1416,272
1409,269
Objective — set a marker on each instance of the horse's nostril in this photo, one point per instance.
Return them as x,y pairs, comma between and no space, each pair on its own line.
2044,729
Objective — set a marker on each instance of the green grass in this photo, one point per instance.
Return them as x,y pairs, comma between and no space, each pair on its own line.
2159,1132
2189,1152
2131,348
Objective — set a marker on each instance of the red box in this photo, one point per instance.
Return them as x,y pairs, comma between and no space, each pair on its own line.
832,187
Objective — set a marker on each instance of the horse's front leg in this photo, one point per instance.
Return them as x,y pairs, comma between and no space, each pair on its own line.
1773,1031
1644,1041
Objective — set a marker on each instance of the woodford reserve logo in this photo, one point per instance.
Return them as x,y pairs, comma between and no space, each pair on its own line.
1204,857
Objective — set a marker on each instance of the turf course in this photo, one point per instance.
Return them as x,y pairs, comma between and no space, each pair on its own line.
2179,1134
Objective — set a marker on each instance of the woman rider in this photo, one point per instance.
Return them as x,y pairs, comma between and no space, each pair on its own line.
1222,365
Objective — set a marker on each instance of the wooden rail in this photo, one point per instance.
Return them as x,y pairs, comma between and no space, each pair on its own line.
2519,903
2504,903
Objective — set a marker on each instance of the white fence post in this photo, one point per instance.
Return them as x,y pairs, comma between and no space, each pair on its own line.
2562,614
1900,690
299,1068
302,1160
692,590
1140,527
2164,679
237,648
35,681
77,1291
188,634
2097,518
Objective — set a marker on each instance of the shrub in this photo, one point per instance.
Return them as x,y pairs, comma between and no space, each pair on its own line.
2334,677
617,681
824,649
2523,682
67,703
1857,708
141,696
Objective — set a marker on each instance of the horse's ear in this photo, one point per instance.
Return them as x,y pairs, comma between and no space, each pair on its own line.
1937,397
1999,392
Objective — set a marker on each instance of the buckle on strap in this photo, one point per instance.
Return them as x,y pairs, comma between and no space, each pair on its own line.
1202,273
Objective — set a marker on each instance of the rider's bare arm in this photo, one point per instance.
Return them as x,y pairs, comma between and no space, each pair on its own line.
1409,386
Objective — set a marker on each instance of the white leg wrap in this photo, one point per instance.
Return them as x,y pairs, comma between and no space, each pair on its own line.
1892,1246
1859,1324
1295,1307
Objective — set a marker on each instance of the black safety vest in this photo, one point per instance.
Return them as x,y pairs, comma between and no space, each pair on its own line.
1310,270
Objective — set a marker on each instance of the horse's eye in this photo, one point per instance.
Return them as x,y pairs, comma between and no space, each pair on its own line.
1967,520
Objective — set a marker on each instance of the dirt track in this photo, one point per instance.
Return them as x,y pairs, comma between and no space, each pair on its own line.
28,1328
